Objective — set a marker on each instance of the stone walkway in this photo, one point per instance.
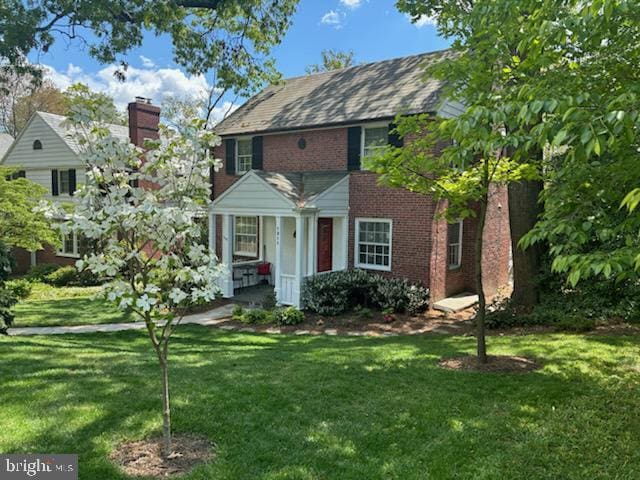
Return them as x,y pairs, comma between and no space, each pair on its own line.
221,315
207,319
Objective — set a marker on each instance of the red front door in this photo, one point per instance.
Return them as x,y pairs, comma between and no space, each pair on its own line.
325,244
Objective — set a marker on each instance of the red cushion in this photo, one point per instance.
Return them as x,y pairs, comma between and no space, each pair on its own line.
264,268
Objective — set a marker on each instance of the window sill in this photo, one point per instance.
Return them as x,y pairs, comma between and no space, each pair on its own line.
67,255
453,268
379,268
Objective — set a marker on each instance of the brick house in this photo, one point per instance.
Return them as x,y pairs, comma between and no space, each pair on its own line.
293,193
47,154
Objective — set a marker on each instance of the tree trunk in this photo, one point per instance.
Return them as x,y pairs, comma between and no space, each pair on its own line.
524,211
166,407
482,301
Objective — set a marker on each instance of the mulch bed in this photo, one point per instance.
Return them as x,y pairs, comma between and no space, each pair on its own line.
143,458
495,364
431,320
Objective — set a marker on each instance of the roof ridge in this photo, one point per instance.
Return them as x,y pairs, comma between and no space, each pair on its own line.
367,64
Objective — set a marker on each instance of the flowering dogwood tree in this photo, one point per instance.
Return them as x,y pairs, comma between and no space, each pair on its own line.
141,211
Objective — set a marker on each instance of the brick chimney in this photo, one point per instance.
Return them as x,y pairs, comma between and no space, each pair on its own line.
143,120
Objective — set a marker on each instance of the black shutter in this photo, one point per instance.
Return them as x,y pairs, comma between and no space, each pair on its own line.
230,156
54,183
354,136
211,180
256,153
72,181
395,140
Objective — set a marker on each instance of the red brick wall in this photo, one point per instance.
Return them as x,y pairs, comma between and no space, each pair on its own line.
48,255
23,260
412,216
495,258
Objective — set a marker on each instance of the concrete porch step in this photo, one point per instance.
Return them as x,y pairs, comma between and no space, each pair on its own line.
456,303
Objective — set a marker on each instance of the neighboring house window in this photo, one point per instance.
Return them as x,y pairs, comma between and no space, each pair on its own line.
73,245
373,245
244,155
374,139
63,181
454,244
37,145
246,236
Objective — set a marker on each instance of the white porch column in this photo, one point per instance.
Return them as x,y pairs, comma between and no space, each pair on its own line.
212,236
227,256
312,244
278,260
345,241
297,287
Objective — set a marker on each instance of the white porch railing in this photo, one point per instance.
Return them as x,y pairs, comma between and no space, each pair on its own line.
287,286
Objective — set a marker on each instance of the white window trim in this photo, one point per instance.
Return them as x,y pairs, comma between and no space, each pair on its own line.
356,244
236,158
75,253
363,133
247,254
458,243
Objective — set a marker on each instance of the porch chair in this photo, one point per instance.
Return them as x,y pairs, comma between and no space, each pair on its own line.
264,270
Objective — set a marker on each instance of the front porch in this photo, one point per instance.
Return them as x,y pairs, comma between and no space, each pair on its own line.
266,220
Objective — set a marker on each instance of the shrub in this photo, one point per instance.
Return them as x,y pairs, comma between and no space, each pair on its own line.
237,313
269,301
38,273
20,288
288,316
62,277
398,296
337,292
363,312
257,316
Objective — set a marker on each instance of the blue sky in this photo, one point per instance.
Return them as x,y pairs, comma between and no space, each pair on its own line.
373,29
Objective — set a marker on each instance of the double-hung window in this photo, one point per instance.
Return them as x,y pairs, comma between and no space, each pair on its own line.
374,139
454,244
245,242
244,155
373,243
73,245
63,182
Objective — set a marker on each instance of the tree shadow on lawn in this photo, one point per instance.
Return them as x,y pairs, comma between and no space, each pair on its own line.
325,407
67,311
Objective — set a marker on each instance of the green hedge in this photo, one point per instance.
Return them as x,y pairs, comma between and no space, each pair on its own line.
339,292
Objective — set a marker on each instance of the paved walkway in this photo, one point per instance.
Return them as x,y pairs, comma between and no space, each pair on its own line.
209,318
221,315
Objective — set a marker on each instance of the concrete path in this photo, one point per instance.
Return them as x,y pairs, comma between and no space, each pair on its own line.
457,303
210,318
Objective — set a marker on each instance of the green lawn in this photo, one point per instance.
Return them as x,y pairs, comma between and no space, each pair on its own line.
48,306
287,407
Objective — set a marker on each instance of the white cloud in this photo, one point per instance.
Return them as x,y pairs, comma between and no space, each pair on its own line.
154,83
352,4
147,62
333,18
424,20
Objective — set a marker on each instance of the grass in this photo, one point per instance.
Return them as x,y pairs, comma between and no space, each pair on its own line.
288,407
51,306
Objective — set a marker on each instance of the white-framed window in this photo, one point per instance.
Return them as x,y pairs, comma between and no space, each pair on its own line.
374,138
373,243
73,245
244,155
63,182
245,241
454,244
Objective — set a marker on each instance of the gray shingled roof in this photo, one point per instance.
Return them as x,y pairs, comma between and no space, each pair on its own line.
371,91
302,187
5,143
56,123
